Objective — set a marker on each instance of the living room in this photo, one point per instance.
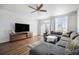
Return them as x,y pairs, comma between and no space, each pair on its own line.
55,18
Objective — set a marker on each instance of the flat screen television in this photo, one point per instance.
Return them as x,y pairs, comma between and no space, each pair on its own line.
21,27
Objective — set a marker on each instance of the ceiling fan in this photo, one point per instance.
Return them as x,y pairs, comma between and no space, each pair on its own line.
38,8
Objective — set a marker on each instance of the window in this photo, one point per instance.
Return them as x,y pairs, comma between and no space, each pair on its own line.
61,24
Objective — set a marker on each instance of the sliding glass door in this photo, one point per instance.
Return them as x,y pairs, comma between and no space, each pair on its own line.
61,24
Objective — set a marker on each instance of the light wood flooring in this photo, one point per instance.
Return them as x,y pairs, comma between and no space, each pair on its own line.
18,47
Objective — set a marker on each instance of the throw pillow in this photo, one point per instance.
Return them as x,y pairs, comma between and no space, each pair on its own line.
73,43
66,34
77,38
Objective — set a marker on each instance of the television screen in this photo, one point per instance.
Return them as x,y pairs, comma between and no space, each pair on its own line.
21,27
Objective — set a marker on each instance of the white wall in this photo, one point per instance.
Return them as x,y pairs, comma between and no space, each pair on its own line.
39,27
33,26
78,20
7,21
72,21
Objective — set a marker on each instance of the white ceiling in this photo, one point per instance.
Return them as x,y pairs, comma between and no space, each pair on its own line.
52,9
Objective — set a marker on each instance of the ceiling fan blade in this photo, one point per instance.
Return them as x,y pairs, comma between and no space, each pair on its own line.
40,7
32,7
33,11
43,10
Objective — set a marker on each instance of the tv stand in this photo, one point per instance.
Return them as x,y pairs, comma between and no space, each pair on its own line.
20,36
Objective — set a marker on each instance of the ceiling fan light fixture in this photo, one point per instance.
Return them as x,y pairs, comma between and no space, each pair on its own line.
38,8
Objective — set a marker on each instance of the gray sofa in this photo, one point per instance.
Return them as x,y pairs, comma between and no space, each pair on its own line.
45,48
71,37
65,40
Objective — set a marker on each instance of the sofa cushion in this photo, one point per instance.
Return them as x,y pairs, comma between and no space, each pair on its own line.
62,43
73,44
73,35
56,33
77,39
65,38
